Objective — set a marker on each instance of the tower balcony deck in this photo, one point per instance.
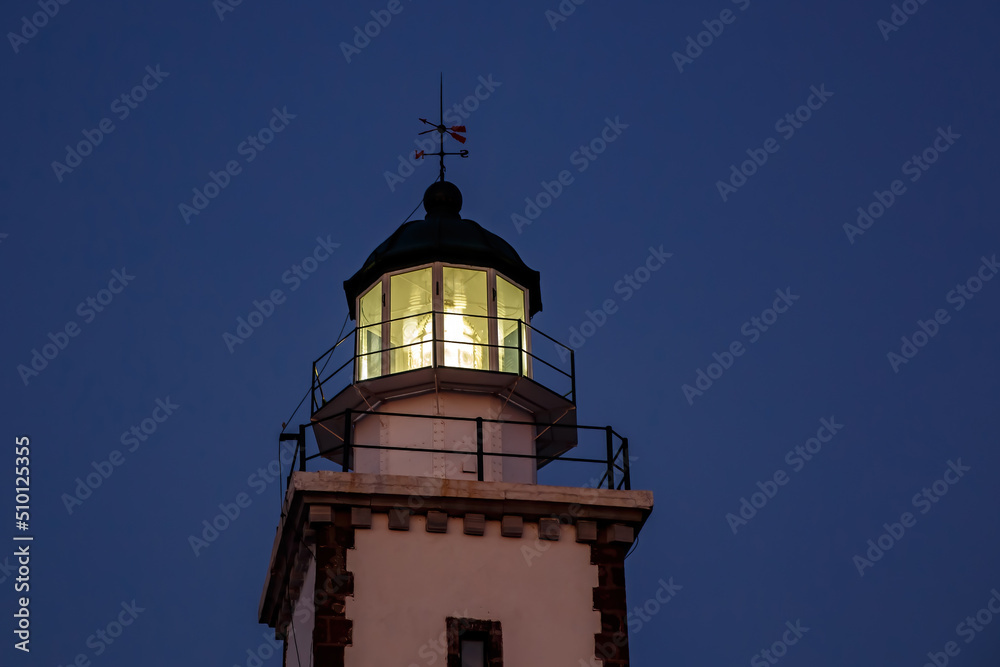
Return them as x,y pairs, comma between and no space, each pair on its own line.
337,441
435,356
519,394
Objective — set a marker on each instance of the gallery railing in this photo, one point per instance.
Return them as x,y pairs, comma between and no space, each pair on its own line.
614,465
436,350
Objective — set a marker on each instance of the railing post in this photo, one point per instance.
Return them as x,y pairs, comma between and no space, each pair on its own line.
312,393
299,450
611,458
628,475
479,448
345,463
572,374
434,339
520,365
302,447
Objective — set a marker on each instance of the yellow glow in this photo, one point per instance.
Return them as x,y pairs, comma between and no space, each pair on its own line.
466,332
370,333
410,330
510,305
463,329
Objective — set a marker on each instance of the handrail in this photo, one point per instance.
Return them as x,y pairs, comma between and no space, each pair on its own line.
616,457
318,380
485,420
616,453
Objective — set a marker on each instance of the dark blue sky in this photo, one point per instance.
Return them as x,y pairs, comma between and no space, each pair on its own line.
774,237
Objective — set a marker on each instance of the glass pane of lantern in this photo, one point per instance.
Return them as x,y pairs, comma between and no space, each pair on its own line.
410,328
370,333
466,335
473,653
510,305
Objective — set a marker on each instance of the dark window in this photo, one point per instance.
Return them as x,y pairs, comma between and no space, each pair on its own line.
473,652
474,643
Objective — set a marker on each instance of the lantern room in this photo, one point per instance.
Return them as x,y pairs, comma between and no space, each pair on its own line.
441,315
442,291
443,339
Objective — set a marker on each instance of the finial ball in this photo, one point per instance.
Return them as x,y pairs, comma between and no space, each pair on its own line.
443,198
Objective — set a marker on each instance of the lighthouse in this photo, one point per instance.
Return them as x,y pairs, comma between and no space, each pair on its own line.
415,530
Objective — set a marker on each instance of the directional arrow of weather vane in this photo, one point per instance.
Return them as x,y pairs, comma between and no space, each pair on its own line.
455,131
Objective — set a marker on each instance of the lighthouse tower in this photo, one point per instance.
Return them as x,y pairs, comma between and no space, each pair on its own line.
431,541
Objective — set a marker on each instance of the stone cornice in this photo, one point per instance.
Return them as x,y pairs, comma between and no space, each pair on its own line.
315,497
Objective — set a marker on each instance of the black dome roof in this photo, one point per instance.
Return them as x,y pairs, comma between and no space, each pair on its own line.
444,236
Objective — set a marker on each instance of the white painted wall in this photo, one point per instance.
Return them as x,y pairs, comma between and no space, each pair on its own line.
407,583
447,434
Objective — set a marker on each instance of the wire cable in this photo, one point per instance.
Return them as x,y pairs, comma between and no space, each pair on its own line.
284,424
634,545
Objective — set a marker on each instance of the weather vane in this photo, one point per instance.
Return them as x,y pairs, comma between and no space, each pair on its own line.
442,129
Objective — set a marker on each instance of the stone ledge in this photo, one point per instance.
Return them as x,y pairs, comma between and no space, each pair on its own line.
368,484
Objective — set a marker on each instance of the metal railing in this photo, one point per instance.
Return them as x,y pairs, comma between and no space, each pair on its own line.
529,362
615,465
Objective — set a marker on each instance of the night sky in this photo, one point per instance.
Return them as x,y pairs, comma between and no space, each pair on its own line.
811,365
